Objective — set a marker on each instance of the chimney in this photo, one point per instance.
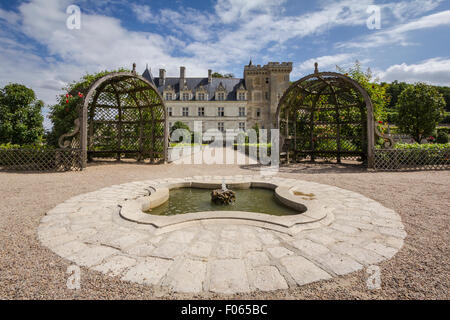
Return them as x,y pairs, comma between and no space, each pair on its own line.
162,77
210,76
182,73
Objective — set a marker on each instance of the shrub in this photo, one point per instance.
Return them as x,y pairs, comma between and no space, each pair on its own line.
442,137
444,130
446,119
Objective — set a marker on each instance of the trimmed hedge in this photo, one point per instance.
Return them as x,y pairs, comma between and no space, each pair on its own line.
9,146
416,146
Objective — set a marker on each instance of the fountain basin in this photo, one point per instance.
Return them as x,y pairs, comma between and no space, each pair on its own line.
308,213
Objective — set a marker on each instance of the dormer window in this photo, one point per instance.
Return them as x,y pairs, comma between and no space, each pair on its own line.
241,93
185,96
220,92
201,97
169,96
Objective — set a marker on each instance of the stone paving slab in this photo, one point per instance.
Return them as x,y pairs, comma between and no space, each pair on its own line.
225,256
188,277
267,278
303,271
149,272
228,276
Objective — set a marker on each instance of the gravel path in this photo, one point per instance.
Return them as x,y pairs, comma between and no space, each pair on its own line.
419,271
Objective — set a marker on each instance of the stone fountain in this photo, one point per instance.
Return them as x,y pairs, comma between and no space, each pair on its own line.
223,196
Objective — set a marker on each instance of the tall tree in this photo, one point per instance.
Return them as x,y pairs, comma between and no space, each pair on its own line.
21,120
445,91
420,107
377,92
394,90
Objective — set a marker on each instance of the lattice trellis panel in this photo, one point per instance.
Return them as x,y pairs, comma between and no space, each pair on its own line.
411,159
323,117
41,160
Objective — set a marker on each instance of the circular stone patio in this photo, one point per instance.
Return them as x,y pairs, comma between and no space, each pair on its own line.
223,255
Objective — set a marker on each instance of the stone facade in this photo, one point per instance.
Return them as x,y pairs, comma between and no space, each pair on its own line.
225,103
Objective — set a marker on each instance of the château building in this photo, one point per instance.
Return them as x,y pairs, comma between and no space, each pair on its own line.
225,103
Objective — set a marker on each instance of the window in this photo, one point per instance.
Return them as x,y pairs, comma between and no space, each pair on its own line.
221,112
168,96
185,112
221,127
201,97
185,96
221,96
241,96
267,80
258,113
241,111
170,111
241,126
267,95
201,111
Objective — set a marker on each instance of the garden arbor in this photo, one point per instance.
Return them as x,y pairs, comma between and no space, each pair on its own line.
122,116
326,115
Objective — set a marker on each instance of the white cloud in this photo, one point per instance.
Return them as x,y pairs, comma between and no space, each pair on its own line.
434,71
232,10
143,13
398,34
102,43
229,36
403,10
9,16
267,29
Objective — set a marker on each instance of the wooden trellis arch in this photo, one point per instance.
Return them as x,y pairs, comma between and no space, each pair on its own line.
122,116
326,115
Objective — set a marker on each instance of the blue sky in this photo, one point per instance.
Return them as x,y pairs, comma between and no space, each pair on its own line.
37,49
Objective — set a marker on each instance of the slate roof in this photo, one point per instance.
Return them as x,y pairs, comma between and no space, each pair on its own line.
231,85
